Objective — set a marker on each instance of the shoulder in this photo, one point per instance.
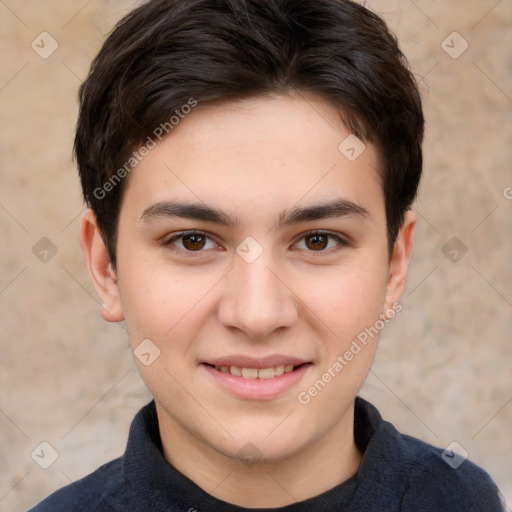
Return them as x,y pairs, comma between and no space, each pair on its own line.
116,486
401,472
89,493
438,479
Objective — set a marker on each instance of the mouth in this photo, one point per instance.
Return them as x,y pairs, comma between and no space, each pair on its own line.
256,380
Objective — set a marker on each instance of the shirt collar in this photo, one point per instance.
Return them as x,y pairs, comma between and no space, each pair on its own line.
147,472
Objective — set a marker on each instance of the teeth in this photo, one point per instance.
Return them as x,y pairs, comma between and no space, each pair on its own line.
265,373
250,373
279,370
255,373
234,370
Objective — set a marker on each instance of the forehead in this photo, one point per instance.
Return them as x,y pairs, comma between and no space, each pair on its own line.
263,153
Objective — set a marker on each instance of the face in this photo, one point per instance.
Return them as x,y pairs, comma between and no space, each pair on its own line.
252,253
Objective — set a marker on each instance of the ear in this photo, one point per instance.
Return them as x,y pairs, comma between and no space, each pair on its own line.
400,260
100,268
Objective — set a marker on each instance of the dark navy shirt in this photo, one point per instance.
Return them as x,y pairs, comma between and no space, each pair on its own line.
397,473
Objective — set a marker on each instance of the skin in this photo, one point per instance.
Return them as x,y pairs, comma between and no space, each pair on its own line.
253,159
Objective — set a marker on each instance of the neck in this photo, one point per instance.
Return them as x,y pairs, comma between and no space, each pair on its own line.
310,471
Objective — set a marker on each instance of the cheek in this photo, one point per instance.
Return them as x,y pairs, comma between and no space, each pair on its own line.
349,300
160,302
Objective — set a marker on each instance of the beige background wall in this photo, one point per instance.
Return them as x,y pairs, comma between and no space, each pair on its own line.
444,368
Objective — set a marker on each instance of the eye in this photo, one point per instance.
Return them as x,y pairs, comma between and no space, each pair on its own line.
319,241
192,241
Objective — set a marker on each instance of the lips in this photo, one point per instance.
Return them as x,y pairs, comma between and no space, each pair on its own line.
257,378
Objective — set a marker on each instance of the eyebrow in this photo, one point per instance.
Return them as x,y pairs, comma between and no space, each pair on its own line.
201,211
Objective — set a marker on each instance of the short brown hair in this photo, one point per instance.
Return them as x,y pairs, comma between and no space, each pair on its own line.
167,53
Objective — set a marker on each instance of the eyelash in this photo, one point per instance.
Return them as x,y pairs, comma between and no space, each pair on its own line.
169,242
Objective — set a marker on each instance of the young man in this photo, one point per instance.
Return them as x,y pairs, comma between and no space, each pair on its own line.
249,167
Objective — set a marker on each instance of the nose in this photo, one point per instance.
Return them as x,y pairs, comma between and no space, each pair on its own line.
257,298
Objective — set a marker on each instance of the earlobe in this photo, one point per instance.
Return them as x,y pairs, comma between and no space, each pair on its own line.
399,261
100,269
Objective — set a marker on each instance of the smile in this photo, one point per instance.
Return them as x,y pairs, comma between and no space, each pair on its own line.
256,381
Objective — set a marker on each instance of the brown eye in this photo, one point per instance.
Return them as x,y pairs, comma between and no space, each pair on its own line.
321,242
317,242
194,242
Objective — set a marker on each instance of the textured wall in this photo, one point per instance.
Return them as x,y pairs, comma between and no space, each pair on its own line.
444,368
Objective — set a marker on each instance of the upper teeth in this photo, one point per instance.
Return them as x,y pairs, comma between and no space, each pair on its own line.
255,373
